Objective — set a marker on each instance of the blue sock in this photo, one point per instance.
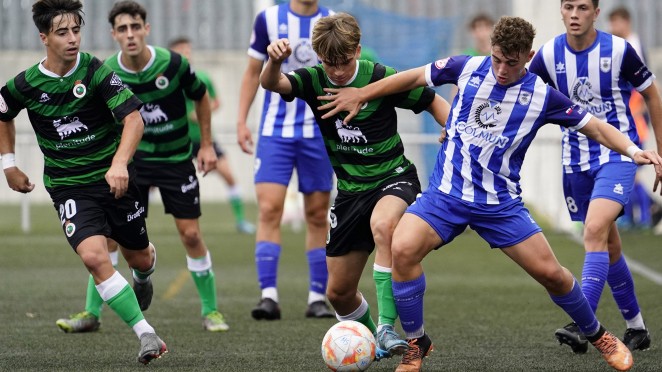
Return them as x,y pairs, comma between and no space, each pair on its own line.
318,272
266,263
594,276
622,287
576,305
408,298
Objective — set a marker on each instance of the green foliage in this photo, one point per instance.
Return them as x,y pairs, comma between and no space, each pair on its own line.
482,311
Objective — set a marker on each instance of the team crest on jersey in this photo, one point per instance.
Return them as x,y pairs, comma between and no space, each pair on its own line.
3,105
486,114
152,114
605,64
582,92
524,98
44,98
161,82
67,126
79,89
303,54
349,134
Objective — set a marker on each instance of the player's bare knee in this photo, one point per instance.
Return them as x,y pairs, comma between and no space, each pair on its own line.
191,237
555,279
595,234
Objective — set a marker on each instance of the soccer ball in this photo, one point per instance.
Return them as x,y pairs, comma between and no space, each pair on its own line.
348,346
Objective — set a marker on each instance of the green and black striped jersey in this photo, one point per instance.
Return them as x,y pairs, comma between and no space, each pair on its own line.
72,116
368,151
163,86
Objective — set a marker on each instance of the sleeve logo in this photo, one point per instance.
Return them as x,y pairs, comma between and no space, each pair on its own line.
3,105
439,64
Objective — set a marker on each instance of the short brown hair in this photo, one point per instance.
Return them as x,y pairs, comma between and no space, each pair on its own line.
513,35
620,12
335,37
596,3
131,8
480,18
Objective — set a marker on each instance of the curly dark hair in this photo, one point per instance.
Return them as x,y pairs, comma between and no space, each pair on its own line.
131,8
513,35
44,11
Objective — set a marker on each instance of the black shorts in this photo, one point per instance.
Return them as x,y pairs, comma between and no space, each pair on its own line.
351,212
177,183
92,210
217,149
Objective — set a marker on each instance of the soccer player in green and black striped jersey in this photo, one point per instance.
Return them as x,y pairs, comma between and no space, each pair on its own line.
162,80
376,182
72,101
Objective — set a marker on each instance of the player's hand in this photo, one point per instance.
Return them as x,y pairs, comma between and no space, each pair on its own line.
442,135
18,181
658,177
341,100
118,180
207,159
245,138
279,50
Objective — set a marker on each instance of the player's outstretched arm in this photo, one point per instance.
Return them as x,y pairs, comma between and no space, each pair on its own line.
613,139
440,109
249,84
16,179
272,79
206,155
351,99
654,105
118,174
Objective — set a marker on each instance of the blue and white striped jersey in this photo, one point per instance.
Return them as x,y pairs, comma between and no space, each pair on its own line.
280,118
600,79
490,127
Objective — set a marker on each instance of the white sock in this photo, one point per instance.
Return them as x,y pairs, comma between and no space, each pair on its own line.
356,314
315,297
270,292
114,258
142,327
636,323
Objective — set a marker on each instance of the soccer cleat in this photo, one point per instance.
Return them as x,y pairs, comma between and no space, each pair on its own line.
267,309
151,347
78,323
214,322
387,339
412,360
319,309
637,339
614,351
245,227
573,337
144,293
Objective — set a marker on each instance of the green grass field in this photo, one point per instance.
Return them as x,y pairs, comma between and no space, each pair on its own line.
482,311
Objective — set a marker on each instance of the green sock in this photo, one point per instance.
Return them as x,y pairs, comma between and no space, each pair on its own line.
386,305
367,321
126,306
206,284
237,208
93,301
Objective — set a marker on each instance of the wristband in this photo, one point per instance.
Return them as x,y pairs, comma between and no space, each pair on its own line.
630,151
8,160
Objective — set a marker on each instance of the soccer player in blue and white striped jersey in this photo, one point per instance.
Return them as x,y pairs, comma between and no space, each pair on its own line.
499,108
288,139
598,71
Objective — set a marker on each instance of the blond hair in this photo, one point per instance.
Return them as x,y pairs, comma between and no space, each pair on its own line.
336,37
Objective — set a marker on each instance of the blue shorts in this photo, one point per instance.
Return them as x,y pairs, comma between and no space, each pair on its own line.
276,158
613,181
502,225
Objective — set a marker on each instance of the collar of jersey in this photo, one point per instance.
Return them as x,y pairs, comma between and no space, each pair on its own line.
52,74
147,66
350,81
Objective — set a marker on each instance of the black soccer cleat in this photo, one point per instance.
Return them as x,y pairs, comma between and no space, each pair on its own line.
267,309
637,339
319,309
572,336
144,293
